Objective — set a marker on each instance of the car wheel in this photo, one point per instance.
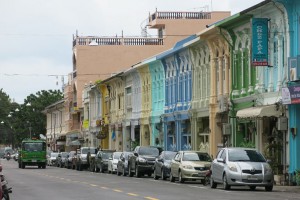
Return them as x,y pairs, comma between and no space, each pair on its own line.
163,176
252,187
172,179
213,184
269,188
92,168
180,179
226,186
124,172
129,171
155,175
101,169
137,173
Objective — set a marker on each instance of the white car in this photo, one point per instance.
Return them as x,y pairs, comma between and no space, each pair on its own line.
52,159
113,162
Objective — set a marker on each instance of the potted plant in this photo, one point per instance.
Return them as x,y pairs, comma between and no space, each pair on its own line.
273,153
298,177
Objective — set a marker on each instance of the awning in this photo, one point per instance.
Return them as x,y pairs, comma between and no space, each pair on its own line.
74,143
263,111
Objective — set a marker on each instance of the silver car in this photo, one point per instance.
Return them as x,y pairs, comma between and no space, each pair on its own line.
241,167
189,165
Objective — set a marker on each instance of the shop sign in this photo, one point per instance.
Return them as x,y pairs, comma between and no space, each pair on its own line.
291,95
260,42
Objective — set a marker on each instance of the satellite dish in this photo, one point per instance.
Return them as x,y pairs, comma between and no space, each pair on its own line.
42,137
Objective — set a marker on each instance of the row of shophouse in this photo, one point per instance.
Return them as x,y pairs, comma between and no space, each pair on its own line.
234,82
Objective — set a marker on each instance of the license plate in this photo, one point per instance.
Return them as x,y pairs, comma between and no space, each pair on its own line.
33,160
252,178
201,174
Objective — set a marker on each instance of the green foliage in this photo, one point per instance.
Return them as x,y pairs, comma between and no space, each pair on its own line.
298,177
28,117
134,144
247,144
272,152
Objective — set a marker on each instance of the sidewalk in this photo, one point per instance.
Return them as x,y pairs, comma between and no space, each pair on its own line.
281,188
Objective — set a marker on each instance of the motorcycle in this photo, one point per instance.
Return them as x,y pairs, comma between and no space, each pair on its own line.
5,190
8,156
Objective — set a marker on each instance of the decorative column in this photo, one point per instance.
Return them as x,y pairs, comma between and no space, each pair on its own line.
280,62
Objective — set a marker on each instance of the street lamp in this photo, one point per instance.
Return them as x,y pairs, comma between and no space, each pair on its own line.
29,128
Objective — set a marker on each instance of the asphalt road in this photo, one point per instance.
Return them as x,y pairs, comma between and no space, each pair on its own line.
52,183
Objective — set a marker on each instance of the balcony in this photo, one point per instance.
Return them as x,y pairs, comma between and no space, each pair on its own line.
117,41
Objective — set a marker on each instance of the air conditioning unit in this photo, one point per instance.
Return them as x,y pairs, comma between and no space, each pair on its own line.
282,124
226,129
222,104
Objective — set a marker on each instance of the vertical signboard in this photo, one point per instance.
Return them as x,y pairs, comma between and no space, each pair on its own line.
260,42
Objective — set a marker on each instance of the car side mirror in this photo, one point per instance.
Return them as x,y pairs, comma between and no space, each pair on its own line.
220,160
159,159
123,159
269,161
136,154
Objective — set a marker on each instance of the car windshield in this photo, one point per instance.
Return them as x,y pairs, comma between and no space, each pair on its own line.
91,150
64,154
148,151
127,154
54,155
169,155
196,156
117,155
106,155
245,155
34,146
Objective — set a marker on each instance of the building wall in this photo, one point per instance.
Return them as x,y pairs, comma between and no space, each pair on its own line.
200,57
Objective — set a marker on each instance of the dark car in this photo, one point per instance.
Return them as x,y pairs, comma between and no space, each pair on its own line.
162,165
61,159
69,160
142,161
122,166
101,160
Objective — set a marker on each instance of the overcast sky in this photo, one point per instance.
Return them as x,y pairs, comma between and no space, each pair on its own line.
36,35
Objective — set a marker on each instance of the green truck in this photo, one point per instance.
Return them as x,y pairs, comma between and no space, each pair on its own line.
33,153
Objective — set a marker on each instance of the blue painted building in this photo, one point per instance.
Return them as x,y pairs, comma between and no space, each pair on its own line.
292,27
178,93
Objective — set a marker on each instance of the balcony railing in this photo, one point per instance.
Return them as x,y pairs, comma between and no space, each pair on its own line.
180,15
96,41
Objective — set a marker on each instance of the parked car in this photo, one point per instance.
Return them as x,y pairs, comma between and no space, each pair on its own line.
51,160
61,159
101,160
190,165
83,157
142,161
162,165
69,160
122,166
241,166
15,156
113,161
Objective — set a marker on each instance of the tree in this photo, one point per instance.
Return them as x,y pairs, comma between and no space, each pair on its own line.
31,118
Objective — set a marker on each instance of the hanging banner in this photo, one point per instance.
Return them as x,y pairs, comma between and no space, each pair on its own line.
291,95
260,42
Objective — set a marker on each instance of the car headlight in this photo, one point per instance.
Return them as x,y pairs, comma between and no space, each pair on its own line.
232,167
188,167
142,160
267,169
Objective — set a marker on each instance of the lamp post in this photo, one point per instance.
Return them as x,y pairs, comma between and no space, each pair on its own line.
29,128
